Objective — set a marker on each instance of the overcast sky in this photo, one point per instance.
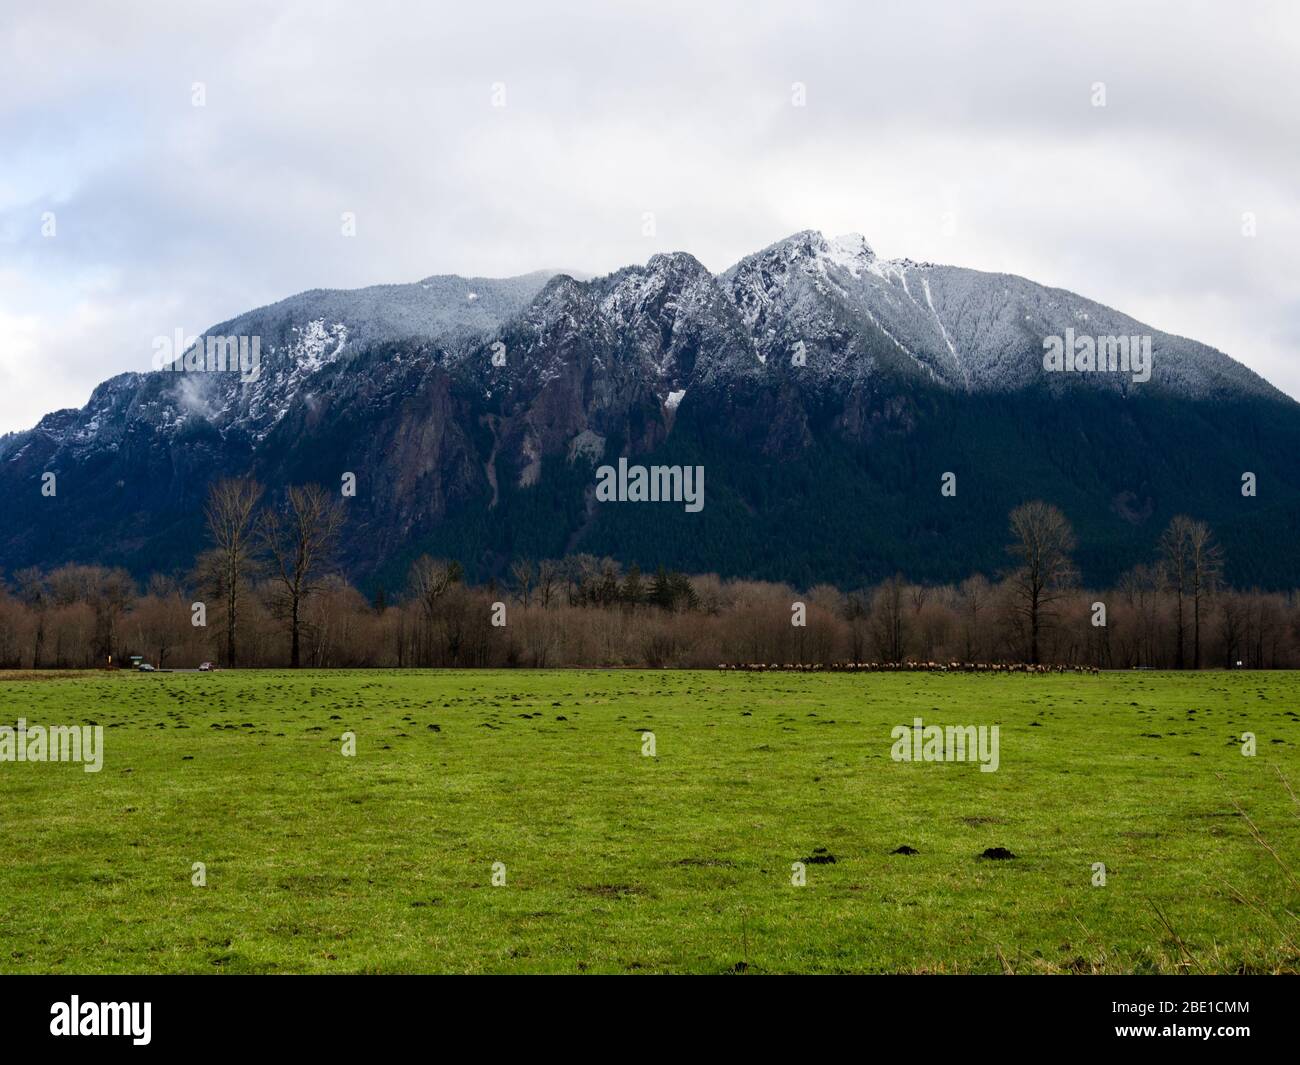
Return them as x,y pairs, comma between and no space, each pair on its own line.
962,132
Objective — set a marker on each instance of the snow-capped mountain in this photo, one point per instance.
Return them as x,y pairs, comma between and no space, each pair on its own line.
825,389
297,337
963,329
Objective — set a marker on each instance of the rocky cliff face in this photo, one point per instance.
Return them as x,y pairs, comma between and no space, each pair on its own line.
826,391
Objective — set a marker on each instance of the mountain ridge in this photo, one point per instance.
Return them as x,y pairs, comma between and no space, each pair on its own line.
472,407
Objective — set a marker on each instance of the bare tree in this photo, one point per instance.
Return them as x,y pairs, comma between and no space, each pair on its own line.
429,581
581,574
857,612
113,595
12,617
522,572
1175,568
35,595
299,545
1232,619
158,623
1205,559
548,579
107,592
1139,587
974,594
229,514
1044,571
889,619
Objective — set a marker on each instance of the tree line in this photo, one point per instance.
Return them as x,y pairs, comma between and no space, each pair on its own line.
267,591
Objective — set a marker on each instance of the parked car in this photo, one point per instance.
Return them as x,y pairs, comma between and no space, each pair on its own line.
145,667
207,667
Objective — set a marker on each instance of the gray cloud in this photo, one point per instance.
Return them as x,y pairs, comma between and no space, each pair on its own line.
963,133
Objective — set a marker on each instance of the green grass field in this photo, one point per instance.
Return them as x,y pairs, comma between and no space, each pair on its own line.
617,862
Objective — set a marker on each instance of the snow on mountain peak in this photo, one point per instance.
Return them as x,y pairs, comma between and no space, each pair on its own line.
673,321
851,251
810,251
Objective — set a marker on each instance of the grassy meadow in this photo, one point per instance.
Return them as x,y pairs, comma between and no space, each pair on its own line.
615,861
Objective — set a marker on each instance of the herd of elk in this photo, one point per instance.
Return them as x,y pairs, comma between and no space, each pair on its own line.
902,667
